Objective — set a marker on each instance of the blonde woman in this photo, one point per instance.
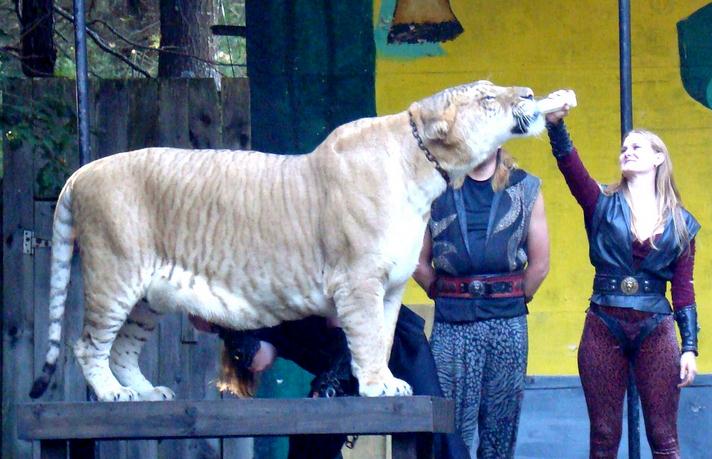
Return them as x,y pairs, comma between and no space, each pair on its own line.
640,238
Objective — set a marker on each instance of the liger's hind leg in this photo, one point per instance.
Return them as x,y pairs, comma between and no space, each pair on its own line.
126,351
102,323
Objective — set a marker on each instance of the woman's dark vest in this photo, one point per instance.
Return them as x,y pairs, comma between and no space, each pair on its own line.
505,252
611,253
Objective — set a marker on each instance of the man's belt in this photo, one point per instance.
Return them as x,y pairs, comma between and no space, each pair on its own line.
484,286
628,285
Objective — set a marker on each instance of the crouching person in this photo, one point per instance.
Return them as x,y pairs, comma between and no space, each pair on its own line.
319,346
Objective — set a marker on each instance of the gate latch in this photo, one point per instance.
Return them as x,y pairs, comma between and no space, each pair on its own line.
30,242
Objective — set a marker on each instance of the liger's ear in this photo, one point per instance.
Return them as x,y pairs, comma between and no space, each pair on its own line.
439,124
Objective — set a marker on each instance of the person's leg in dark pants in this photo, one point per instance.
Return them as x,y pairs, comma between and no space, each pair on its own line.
657,373
604,374
502,387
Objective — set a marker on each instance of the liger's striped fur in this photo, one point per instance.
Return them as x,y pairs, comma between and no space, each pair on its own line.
248,239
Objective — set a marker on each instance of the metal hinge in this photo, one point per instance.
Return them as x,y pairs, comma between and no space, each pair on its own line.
30,242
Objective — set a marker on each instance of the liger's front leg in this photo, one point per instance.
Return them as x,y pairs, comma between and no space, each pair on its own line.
360,308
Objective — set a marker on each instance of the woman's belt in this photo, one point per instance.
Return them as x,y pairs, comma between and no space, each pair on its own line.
508,285
628,285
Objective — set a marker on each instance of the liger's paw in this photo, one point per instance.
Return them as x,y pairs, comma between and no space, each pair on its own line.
120,394
158,393
388,388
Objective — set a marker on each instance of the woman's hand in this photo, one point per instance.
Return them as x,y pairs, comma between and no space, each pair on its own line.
555,117
688,368
264,357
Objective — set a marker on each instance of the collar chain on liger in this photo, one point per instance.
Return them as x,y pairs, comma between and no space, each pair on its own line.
427,152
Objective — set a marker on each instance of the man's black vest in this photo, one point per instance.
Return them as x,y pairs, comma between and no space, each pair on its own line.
507,230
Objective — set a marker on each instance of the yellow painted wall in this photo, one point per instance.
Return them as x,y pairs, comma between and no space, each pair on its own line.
554,44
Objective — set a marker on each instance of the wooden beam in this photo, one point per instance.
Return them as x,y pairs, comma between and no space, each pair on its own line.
229,30
228,418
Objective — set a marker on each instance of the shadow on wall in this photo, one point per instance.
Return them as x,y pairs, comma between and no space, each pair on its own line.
695,47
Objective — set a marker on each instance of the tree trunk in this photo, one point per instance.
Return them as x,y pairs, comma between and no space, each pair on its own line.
37,31
185,36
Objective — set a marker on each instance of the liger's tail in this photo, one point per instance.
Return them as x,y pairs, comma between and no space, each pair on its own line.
62,249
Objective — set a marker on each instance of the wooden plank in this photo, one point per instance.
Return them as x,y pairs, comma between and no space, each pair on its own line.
404,446
148,362
173,113
109,128
235,106
241,447
53,449
41,259
236,135
109,134
227,418
18,298
171,373
188,333
172,132
200,351
204,120
142,128
142,132
205,360
82,449
112,449
75,386
109,117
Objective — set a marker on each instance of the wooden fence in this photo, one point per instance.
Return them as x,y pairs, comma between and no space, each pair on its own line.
73,429
39,146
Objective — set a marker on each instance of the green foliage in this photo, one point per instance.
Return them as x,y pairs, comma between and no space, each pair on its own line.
137,38
64,67
48,129
9,37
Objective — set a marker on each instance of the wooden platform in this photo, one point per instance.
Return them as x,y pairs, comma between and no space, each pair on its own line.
73,427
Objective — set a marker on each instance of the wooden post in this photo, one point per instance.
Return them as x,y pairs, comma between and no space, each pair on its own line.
403,446
53,449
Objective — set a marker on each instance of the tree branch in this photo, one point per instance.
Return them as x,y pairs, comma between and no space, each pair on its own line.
67,55
101,44
14,52
160,50
11,51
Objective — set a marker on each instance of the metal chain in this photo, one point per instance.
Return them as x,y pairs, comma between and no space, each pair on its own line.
425,149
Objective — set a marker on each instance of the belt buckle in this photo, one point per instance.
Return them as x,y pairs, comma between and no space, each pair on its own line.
629,285
476,288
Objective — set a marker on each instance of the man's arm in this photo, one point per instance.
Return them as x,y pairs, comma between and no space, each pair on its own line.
424,273
537,249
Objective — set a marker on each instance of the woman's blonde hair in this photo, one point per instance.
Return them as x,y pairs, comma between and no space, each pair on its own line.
504,168
235,379
667,196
